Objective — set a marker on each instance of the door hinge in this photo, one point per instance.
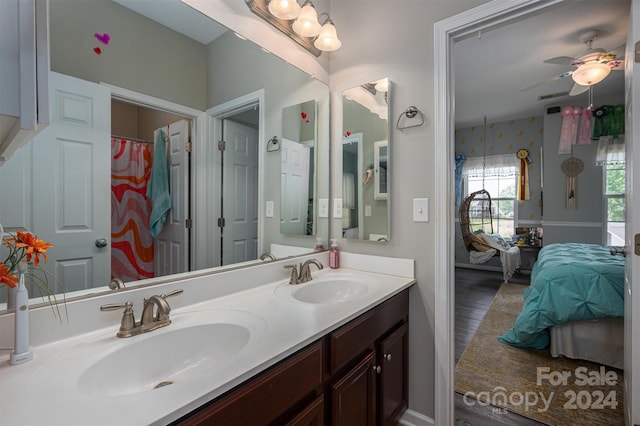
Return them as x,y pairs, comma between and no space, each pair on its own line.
221,222
188,223
222,145
187,146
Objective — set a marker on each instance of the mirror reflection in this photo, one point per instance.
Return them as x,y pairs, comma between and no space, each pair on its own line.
365,161
297,186
119,98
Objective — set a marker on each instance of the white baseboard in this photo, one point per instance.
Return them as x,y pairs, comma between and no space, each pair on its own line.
413,418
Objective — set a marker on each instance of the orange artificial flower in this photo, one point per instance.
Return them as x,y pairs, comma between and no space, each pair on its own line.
6,276
34,246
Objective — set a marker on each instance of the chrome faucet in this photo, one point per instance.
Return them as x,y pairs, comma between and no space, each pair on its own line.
155,314
305,271
116,284
265,256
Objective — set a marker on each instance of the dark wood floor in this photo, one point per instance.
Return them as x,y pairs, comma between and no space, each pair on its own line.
475,291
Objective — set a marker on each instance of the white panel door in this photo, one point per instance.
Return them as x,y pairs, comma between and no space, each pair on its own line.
632,275
294,196
171,247
72,182
239,193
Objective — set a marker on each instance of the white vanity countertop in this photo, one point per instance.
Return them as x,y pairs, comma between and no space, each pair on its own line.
45,391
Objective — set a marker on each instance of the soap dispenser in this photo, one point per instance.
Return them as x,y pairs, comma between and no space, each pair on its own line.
334,255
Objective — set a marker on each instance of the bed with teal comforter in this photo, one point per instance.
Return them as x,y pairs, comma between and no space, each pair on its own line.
569,282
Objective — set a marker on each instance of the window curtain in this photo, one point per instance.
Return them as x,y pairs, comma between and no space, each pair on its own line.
491,165
131,241
610,150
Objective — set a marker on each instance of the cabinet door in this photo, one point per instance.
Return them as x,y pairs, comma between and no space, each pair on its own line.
311,415
393,389
353,396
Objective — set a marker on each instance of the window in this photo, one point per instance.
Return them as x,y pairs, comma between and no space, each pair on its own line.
614,202
498,174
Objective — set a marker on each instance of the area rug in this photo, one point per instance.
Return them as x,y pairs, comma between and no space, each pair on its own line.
554,391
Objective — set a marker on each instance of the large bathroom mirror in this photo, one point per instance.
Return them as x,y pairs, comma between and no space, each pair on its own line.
131,84
365,162
297,186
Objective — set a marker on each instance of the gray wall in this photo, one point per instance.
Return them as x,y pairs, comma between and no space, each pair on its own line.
395,40
141,55
247,68
585,223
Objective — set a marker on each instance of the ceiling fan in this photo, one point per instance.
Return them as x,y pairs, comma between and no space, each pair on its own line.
592,66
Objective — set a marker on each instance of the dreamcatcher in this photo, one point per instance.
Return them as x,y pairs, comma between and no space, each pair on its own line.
571,167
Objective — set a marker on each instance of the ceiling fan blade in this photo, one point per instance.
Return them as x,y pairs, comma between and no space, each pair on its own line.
561,60
618,51
578,89
548,80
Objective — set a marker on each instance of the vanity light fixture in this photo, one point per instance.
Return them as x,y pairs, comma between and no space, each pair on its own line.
590,73
301,24
306,24
284,9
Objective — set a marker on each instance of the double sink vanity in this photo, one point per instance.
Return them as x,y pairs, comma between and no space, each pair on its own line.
249,348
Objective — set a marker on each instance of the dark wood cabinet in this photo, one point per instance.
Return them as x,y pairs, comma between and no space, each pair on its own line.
353,396
393,391
355,375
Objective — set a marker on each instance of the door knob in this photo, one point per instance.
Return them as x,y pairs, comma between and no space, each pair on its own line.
101,242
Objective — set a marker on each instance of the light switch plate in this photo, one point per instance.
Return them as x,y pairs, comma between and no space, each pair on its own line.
269,209
421,210
337,208
367,211
323,207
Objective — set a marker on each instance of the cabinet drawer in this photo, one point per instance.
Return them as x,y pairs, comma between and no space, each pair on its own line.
269,396
361,333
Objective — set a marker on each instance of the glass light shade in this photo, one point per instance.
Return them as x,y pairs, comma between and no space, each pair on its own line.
284,9
307,24
382,85
328,38
590,73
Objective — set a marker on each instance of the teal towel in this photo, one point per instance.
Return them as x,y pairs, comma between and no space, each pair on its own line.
158,188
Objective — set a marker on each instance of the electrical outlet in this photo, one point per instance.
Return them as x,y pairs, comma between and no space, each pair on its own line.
337,208
323,207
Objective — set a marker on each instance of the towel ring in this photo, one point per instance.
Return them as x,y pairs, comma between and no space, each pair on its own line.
410,113
273,144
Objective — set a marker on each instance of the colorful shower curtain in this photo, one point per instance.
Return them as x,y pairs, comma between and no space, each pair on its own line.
132,244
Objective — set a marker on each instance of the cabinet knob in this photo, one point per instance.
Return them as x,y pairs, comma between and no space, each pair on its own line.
377,369
387,357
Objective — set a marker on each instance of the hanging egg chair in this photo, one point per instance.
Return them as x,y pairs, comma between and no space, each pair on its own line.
476,214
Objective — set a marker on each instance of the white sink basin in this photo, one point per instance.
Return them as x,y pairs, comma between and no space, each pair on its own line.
163,359
326,290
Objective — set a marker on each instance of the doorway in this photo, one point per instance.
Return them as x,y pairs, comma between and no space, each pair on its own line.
141,249
238,221
234,233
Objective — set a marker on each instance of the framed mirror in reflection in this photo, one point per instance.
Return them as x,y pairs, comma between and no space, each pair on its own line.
129,180
365,162
297,189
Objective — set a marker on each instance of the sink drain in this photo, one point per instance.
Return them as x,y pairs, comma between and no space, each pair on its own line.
163,384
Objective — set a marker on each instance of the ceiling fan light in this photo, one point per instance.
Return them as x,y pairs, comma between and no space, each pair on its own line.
307,24
591,73
284,9
328,40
